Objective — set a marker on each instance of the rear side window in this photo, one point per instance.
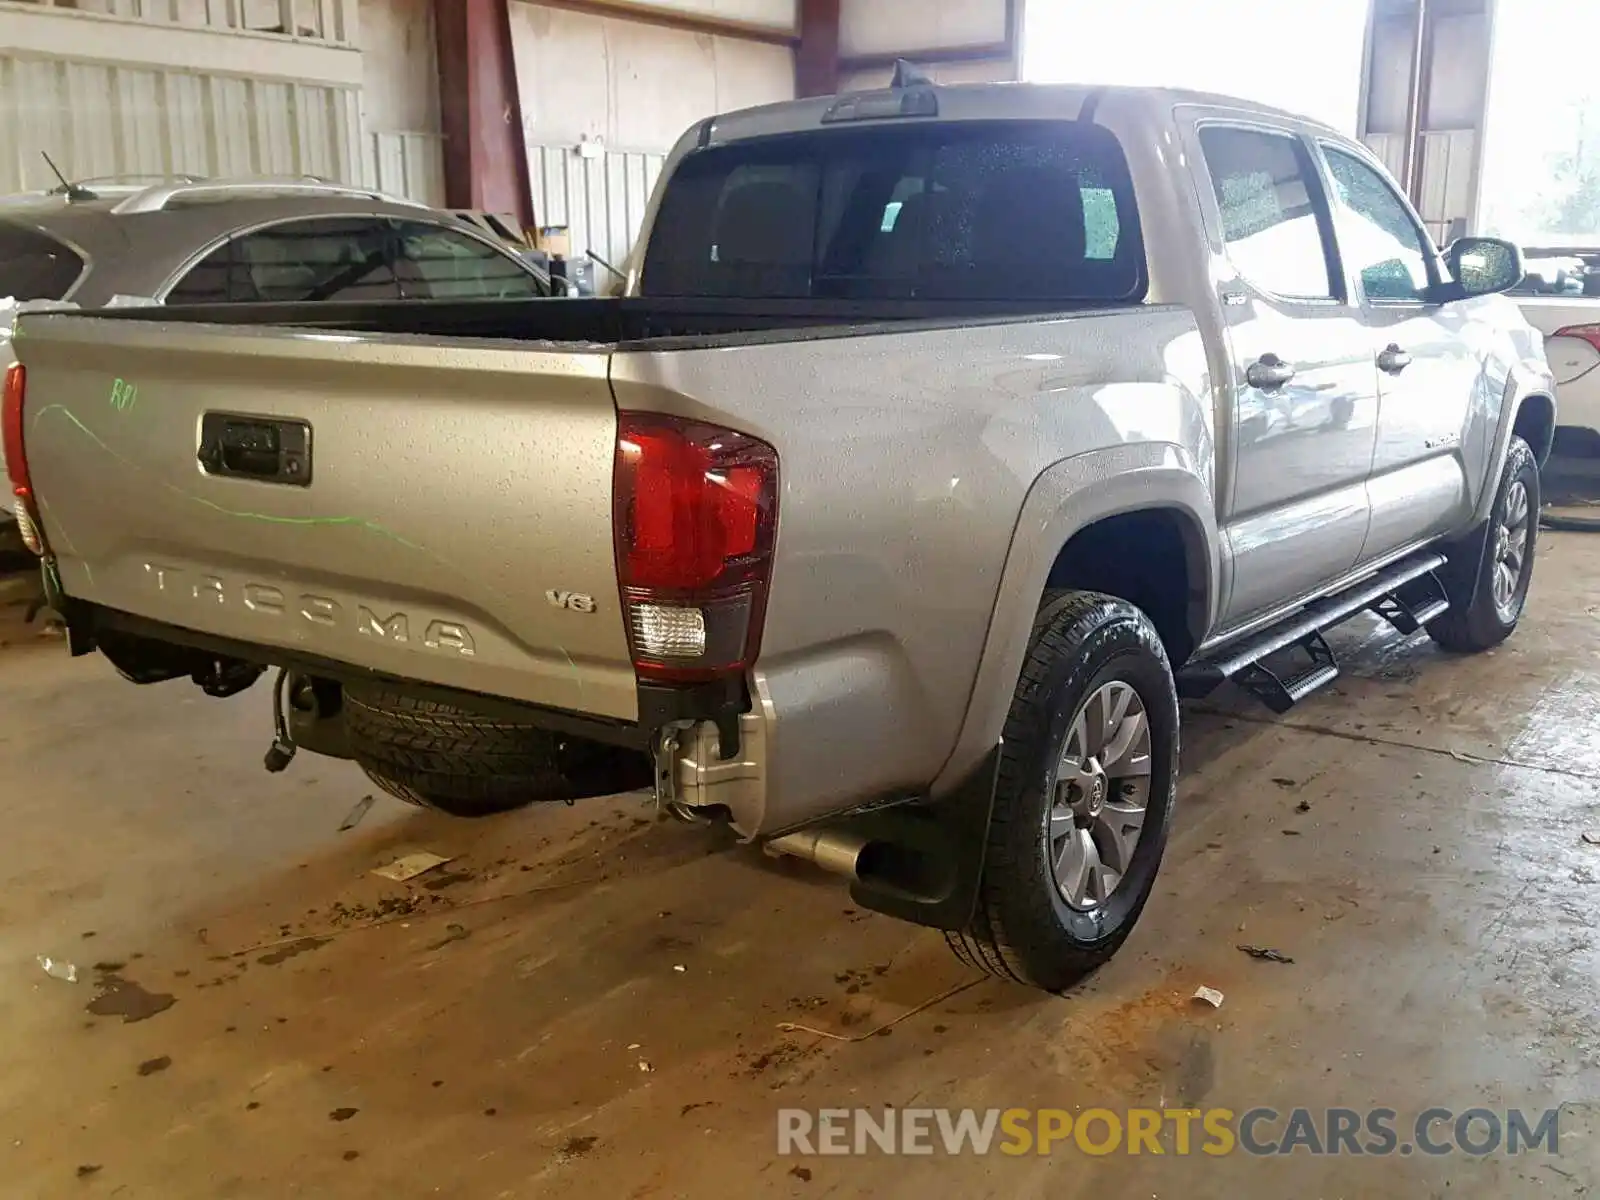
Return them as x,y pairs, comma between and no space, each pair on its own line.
1268,195
990,211
34,266
445,264
306,261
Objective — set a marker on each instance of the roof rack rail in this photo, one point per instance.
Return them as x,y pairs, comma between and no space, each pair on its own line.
99,187
157,199
141,181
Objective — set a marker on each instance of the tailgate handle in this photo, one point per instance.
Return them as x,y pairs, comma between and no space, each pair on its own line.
265,449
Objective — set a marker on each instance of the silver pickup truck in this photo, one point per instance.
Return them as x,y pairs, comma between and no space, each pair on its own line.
944,438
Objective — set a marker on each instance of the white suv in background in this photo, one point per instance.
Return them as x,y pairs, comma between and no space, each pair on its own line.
1561,298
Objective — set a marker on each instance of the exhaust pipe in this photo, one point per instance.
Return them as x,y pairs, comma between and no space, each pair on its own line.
831,849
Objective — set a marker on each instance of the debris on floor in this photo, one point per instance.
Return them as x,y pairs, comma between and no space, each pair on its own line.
1266,955
57,969
883,1030
453,932
409,866
1592,838
353,817
1209,995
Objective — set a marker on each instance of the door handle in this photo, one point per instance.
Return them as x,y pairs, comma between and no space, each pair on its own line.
1393,360
259,448
1269,373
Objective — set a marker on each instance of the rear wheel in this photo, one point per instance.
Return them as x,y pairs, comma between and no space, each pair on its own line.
1487,577
1084,803
438,756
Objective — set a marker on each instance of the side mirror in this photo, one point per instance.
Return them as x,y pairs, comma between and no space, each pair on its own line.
1482,266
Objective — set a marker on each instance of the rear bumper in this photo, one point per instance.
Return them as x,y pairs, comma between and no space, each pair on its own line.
931,849
89,624
730,750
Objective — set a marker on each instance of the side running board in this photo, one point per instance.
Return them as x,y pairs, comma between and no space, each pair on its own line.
1407,594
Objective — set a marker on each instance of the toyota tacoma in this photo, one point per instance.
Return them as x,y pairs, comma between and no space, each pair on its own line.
943,439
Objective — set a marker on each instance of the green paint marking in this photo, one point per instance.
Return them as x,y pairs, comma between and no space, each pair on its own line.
265,518
123,395
61,532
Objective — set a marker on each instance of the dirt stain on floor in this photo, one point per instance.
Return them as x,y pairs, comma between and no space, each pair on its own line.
120,997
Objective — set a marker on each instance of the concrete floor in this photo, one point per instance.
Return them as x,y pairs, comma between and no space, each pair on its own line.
258,1016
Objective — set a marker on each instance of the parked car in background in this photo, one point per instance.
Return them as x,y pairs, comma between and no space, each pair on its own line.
1554,275
1560,296
193,241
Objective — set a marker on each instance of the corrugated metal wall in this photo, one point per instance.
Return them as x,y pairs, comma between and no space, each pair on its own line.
85,82
600,200
97,119
407,164
324,20
1449,164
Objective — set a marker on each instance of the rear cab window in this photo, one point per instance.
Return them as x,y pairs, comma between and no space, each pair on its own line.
35,266
1020,211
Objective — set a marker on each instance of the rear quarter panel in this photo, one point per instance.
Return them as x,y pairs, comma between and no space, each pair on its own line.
907,460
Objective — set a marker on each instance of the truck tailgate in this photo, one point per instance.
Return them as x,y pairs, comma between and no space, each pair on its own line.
451,522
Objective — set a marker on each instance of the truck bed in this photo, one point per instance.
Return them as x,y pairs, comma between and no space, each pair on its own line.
455,524
624,323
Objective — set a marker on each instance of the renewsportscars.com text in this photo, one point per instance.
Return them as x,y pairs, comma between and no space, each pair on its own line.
1215,1132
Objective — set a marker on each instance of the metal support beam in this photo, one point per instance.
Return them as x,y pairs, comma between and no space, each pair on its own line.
816,58
1422,34
485,159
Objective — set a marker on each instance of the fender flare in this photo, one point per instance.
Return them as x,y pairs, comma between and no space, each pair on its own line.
1066,498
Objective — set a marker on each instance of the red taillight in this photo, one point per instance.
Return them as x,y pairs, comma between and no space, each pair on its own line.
696,510
11,427
17,457
1584,333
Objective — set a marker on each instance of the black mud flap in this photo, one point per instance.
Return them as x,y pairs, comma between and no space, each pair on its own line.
924,861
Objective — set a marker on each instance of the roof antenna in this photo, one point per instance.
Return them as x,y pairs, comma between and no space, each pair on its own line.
72,191
907,74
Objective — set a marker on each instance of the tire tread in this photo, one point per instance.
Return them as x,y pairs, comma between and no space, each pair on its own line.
434,755
1065,627
1471,625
